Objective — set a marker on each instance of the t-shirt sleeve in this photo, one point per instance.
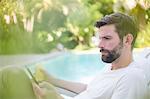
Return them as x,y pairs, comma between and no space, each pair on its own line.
131,86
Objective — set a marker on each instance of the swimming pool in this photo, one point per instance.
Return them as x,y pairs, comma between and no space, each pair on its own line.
74,67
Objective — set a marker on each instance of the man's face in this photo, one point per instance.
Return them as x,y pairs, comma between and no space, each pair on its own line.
110,44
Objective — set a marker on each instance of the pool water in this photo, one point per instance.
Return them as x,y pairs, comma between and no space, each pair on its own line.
74,67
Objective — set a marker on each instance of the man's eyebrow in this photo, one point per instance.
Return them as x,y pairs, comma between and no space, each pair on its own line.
106,36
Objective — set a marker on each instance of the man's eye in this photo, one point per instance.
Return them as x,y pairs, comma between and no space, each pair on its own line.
106,38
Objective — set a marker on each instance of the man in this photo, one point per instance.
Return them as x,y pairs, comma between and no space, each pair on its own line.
119,80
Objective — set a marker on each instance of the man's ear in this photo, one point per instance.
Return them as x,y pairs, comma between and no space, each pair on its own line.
128,39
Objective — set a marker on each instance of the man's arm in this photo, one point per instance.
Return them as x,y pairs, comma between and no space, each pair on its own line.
68,85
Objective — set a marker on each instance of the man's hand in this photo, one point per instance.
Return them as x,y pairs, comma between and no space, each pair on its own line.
46,91
42,75
38,91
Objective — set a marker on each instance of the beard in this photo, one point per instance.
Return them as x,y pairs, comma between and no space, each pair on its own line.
113,54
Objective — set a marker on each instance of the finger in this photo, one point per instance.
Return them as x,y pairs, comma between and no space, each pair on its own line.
37,90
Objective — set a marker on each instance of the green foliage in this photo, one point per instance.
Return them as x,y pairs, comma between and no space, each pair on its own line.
68,40
148,15
13,38
51,20
39,26
143,39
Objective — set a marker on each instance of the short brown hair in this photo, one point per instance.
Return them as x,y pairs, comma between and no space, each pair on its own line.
124,24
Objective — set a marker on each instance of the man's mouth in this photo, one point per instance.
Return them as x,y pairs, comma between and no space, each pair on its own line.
104,53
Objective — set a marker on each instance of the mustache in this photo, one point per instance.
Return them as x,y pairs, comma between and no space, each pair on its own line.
104,50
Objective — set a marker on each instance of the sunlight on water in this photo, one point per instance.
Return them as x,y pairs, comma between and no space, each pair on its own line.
75,67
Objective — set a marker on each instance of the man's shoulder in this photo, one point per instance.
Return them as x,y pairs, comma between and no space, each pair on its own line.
134,74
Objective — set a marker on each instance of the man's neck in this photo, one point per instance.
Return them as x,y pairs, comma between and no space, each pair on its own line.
123,61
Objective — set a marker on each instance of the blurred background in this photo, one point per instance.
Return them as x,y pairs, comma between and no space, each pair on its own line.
41,26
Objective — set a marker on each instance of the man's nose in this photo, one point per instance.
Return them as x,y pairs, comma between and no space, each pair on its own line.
101,44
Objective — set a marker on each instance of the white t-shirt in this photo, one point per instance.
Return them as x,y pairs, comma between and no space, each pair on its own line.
143,64
125,83
142,61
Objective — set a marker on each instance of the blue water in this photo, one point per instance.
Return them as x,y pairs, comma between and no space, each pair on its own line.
74,67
